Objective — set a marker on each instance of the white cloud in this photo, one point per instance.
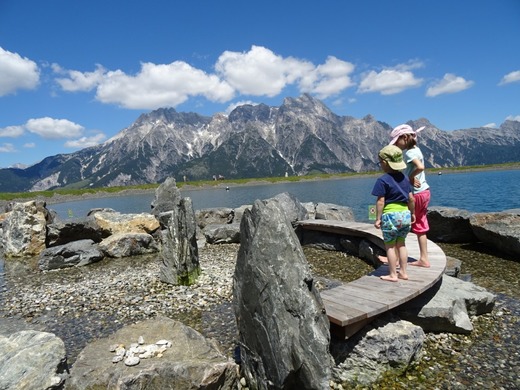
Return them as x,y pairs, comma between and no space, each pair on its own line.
7,148
50,128
29,145
450,83
491,125
513,118
11,131
390,81
85,142
17,73
328,79
260,71
510,78
78,81
161,86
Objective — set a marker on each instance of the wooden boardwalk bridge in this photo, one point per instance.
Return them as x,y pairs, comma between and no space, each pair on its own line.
352,305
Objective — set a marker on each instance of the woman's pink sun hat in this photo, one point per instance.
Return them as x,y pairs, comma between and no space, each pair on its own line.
401,130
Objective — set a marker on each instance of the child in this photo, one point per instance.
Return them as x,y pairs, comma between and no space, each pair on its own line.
405,138
395,210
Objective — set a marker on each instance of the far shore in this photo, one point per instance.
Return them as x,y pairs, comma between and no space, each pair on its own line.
62,198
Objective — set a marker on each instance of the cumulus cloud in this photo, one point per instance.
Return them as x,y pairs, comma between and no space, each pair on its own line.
513,118
232,106
17,73
328,79
510,78
257,72
29,145
390,81
50,128
85,142
491,125
450,83
7,148
79,81
11,131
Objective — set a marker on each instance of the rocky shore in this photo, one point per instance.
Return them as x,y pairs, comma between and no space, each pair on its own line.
81,304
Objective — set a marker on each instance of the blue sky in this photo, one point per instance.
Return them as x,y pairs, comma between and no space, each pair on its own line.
74,73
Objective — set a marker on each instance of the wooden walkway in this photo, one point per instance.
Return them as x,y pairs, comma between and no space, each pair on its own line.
351,306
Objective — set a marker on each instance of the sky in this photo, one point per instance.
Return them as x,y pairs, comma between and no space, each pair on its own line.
74,73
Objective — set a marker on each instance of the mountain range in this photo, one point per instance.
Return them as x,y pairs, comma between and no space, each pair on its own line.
300,137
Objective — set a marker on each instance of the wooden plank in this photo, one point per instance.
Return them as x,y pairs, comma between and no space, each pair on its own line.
351,305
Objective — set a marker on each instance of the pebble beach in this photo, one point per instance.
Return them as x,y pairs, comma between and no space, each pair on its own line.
81,304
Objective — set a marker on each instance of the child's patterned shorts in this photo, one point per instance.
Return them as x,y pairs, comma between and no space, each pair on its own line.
395,226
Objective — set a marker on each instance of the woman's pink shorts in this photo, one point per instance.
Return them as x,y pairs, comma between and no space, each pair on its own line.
422,199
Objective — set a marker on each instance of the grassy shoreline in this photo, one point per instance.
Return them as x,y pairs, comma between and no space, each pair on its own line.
63,195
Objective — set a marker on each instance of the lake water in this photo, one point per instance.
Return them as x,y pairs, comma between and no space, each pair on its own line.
482,191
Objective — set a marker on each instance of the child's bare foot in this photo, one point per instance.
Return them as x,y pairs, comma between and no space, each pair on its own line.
420,263
389,278
400,275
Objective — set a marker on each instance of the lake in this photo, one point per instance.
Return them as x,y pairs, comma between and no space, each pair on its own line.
477,191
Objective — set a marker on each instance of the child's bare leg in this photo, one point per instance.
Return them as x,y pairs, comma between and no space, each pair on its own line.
423,248
392,261
403,259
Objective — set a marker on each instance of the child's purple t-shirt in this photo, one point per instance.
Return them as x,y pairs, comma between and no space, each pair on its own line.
395,187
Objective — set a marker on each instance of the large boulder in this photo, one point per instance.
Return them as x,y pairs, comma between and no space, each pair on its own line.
387,344
448,306
76,253
188,362
61,232
214,216
126,223
222,234
292,207
24,229
283,329
449,224
32,360
128,244
334,212
499,230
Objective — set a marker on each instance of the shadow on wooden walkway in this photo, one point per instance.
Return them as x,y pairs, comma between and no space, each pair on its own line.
352,305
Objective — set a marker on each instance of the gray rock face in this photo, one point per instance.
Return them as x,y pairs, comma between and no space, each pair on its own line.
448,308
450,225
334,212
283,329
214,216
292,207
167,197
192,362
385,345
499,230
222,234
32,360
24,230
128,244
62,232
180,254
76,253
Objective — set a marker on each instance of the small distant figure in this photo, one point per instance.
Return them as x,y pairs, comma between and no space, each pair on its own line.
394,210
70,213
184,178
227,188
286,174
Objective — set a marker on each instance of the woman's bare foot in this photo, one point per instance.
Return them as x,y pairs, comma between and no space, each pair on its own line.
420,263
388,278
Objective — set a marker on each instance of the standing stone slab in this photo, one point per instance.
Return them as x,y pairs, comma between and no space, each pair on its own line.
180,255
499,230
283,329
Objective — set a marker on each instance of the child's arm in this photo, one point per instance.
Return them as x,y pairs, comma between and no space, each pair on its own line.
380,204
411,206
418,168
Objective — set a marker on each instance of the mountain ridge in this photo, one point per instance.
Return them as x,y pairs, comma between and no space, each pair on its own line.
301,136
